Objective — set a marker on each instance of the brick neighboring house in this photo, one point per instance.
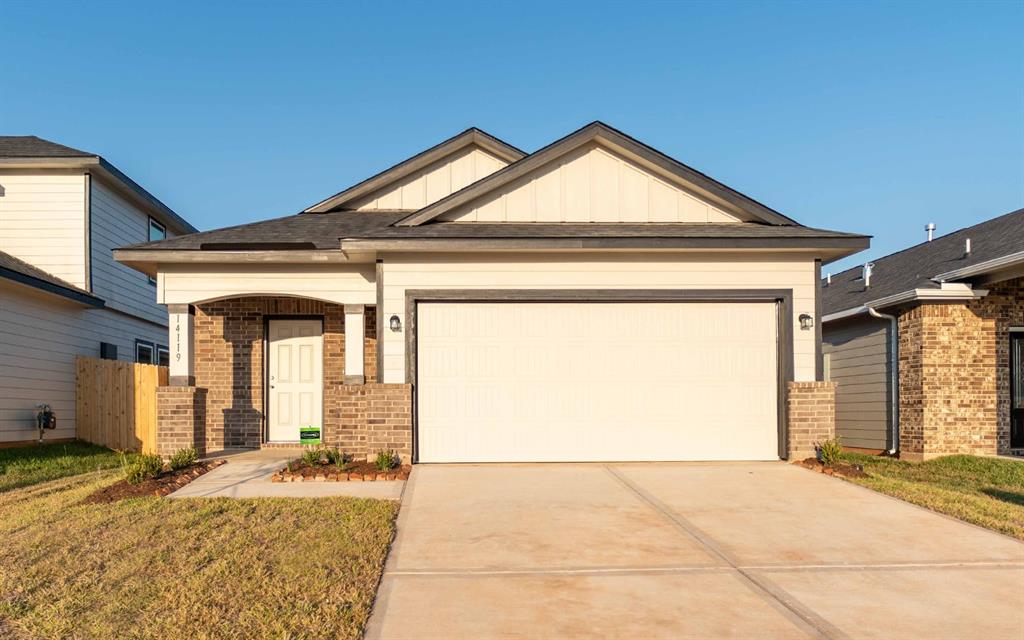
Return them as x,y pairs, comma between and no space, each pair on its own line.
593,300
956,305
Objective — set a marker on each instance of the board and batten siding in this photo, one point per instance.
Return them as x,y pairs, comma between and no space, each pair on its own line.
342,284
117,223
402,272
591,184
40,336
857,351
435,181
42,220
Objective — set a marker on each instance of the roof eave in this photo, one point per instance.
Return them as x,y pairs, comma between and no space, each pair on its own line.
80,297
1001,263
958,294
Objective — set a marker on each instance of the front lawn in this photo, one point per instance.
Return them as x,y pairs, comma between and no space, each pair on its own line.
23,466
984,491
197,568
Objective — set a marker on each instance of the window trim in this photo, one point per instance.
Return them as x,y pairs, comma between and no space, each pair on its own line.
144,343
162,349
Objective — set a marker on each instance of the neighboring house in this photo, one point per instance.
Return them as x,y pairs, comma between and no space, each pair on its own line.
951,326
62,212
594,300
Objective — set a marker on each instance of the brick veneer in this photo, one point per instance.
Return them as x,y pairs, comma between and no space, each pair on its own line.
954,374
180,419
811,409
371,417
229,337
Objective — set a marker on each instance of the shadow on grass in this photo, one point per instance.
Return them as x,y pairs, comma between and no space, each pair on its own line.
1012,497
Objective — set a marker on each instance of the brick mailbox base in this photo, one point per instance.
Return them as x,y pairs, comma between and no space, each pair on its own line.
180,419
812,416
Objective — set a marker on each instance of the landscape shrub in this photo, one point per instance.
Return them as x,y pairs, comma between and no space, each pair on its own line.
386,460
830,451
183,458
141,468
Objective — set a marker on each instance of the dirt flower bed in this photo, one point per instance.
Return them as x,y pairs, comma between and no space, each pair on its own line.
355,471
842,468
160,486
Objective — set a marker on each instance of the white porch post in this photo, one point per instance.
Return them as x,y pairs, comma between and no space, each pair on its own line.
355,330
182,345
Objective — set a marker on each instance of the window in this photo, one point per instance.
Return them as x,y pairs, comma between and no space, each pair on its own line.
157,231
163,356
144,352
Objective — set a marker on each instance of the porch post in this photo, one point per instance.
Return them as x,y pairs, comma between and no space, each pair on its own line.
182,345
355,330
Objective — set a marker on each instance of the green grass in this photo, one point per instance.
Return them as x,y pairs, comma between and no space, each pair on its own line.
198,568
24,466
985,491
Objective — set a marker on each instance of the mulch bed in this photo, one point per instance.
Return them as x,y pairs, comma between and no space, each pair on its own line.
355,471
166,483
841,469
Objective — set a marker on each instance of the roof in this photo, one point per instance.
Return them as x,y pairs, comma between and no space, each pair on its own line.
15,150
36,147
22,272
471,136
599,131
918,267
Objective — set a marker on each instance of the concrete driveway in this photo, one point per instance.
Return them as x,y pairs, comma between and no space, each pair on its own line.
742,550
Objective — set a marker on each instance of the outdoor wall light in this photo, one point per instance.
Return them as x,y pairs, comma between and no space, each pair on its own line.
806,321
395,323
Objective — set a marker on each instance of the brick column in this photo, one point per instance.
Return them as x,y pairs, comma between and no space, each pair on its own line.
180,419
812,416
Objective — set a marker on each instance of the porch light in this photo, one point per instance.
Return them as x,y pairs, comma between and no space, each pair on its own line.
806,321
395,323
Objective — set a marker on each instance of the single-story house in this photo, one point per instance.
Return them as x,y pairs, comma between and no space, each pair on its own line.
926,346
593,300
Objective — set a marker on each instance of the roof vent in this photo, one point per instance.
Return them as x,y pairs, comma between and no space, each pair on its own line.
930,228
828,279
967,247
868,268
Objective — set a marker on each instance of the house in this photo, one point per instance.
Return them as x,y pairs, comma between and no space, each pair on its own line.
926,345
593,300
62,294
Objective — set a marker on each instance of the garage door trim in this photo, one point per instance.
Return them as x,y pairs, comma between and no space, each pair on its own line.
783,299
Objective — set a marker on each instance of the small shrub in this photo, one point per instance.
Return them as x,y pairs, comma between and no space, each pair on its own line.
386,460
183,458
830,451
311,456
335,456
142,468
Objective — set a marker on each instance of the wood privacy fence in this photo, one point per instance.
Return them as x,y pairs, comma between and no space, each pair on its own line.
116,403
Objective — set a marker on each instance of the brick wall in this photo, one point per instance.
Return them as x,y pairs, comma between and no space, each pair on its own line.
229,337
364,419
811,408
180,419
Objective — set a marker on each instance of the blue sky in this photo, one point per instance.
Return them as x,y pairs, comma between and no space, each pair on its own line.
867,117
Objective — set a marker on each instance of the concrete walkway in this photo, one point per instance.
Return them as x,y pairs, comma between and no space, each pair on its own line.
247,475
743,550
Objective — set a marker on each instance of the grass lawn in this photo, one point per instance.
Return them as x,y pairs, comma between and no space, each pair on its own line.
23,466
202,568
984,491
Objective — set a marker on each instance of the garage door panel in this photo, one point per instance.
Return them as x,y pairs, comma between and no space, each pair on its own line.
596,381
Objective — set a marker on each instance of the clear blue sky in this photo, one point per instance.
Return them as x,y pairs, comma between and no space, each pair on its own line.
867,117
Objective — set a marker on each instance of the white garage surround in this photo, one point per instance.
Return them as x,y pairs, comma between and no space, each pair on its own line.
627,376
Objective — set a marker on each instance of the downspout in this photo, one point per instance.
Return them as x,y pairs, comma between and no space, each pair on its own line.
894,359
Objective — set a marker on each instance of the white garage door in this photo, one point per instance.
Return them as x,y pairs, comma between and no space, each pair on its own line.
548,382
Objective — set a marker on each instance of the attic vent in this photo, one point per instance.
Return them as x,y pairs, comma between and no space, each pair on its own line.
868,268
967,247
930,229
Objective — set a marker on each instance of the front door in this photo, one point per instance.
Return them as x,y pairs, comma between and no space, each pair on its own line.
1017,389
295,378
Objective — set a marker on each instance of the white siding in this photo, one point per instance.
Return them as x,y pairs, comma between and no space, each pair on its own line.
434,181
42,220
615,271
343,284
117,223
40,335
591,184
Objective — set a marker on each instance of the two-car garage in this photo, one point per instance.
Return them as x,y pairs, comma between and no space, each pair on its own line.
539,380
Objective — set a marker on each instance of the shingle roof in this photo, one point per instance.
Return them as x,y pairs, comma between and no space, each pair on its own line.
914,268
36,147
20,271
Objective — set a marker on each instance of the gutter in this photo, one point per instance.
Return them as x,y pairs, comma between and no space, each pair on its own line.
894,377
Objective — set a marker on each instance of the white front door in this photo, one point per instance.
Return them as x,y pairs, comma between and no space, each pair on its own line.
567,381
295,378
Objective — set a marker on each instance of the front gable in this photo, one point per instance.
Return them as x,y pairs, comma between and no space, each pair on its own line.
592,183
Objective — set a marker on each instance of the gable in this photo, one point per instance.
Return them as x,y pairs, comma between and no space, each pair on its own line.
591,183
433,182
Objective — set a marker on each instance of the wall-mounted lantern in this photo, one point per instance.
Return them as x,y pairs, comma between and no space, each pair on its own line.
395,323
806,322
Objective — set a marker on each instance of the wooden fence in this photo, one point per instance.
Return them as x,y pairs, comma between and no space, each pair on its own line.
116,403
